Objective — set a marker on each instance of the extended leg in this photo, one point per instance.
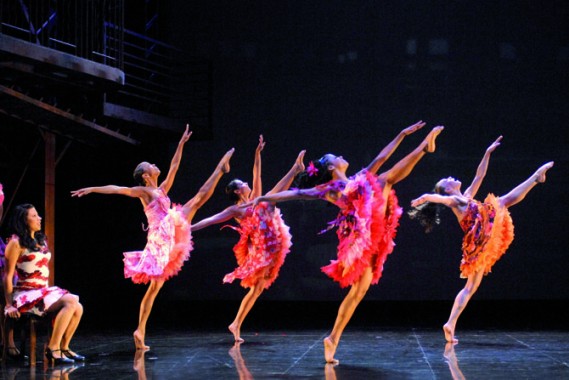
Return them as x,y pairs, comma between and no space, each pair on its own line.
519,192
404,167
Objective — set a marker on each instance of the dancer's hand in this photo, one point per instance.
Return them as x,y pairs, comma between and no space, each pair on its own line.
261,145
186,136
413,128
419,201
494,145
11,312
81,192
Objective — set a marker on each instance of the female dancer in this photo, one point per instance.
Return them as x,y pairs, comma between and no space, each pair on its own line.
367,222
259,264
28,255
169,236
488,228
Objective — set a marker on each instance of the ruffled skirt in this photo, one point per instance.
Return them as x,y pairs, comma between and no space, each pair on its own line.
168,246
264,242
484,256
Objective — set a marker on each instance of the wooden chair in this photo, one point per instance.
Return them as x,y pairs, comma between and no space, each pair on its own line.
28,325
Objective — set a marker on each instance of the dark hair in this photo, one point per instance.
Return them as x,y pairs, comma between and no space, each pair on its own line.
315,174
230,190
137,174
427,214
19,226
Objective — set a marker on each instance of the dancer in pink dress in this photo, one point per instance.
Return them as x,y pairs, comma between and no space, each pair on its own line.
28,256
264,237
169,239
367,222
488,227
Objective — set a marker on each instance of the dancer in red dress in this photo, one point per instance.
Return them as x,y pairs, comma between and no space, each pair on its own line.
488,228
28,256
367,222
169,239
264,237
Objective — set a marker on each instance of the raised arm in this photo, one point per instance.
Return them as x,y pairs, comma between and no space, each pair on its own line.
223,216
257,183
471,191
286,181
386,152
166,185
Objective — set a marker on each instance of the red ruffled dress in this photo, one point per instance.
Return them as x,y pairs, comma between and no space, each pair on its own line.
488,232
365,235
264,242
168,245
32,294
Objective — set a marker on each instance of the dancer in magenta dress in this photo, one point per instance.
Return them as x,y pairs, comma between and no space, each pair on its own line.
264,237
169,239
487,226
28,256
367,222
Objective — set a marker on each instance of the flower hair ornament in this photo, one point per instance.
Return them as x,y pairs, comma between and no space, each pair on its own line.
311,169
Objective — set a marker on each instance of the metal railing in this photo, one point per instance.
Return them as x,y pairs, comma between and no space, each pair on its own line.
77,27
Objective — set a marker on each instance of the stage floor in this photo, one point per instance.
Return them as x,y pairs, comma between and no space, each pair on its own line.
398,353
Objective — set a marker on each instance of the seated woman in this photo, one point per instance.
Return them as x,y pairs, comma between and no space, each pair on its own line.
28,256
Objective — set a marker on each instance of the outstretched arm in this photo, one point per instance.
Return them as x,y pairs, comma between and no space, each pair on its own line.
206,191
257,183
166,185
220,217
290,195
449,201
471,191
286,181
386,152
134,192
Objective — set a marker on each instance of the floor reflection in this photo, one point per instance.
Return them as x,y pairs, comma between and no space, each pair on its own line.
240,366
452,362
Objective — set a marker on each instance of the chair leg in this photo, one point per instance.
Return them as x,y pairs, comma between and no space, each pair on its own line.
33,342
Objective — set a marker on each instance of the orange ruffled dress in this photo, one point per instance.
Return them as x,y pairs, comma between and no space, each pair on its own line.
168,245
365,236
489,231
264,242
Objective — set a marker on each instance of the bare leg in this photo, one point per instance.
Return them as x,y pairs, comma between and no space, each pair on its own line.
207,189
71,328
65,308
345,312
246,306
519,192
404,167
145,309
460,302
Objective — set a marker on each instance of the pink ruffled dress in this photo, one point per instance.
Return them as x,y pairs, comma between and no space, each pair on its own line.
264,242
32,294
168,245
365,235
488,232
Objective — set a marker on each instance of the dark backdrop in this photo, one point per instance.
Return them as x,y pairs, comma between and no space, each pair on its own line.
341,77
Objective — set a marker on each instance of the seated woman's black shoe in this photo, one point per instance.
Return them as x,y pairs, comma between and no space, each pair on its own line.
61,360
73,355
14,354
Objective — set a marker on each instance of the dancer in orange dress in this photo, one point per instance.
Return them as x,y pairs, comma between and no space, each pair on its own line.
367,222
169,239
488,228
264,237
